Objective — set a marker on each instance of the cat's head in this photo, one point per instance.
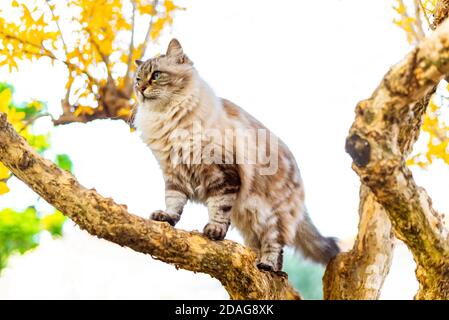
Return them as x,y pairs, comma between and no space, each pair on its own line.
165,77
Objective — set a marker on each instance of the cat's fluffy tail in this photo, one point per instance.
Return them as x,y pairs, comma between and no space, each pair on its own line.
312,244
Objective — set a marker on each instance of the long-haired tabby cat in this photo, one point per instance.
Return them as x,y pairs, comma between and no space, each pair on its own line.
263,199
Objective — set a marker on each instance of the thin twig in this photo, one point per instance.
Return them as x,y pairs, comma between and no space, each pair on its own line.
418,21
131,48
424,10
32,119
102,55
64,43
147,36
406,16
6,179
58,26
49,54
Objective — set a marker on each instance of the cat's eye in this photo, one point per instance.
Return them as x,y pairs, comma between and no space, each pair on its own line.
156,75
138,79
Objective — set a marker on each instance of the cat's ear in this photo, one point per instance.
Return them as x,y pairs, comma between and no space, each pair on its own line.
175,50
138,62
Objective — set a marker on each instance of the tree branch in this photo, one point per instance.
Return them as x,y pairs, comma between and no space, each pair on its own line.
231,263
440,13
104,57
58,26
418,21
43,52
360,273
425,13
127,83
378,143
148,34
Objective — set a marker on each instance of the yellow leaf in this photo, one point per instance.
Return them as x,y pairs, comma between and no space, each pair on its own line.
82,110
123,112
4,172
147,9
169,6
401,8
27,18
5,100
157,27
410,162
14,116
3,188
36,105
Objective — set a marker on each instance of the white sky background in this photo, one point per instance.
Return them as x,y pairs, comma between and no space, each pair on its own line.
298,66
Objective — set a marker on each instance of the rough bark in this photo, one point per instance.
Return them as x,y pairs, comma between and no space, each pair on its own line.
379,140
231,263
360,273
440,13
111,100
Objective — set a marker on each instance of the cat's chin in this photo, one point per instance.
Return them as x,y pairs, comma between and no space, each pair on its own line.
155,105
145,101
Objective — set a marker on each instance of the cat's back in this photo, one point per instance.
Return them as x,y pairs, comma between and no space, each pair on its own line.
276,172
234,112
247,121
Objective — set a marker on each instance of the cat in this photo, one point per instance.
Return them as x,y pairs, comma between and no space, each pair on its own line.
264,200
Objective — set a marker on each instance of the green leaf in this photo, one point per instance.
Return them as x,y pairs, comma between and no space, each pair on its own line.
53,223
39,142
18,232
64,162
32,109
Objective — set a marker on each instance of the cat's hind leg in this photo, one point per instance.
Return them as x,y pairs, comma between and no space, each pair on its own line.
251,240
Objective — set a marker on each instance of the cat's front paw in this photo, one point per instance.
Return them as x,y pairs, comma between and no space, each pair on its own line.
269,262
161,215
265,266
215,231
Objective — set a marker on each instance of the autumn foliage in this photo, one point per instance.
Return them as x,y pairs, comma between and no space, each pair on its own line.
97,41
415,19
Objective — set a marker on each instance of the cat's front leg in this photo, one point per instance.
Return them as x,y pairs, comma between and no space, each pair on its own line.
219,208
175,201
222,188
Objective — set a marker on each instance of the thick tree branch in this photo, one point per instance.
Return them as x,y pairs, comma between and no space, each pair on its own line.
231,263
378,143
360,273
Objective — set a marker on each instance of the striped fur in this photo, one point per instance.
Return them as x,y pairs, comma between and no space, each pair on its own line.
268,209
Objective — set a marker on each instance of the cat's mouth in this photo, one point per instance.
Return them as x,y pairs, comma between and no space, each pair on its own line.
149,97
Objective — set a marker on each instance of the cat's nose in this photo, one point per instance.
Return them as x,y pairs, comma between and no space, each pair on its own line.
142,88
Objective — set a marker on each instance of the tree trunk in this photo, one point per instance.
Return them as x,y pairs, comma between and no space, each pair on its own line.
378,143
360,273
